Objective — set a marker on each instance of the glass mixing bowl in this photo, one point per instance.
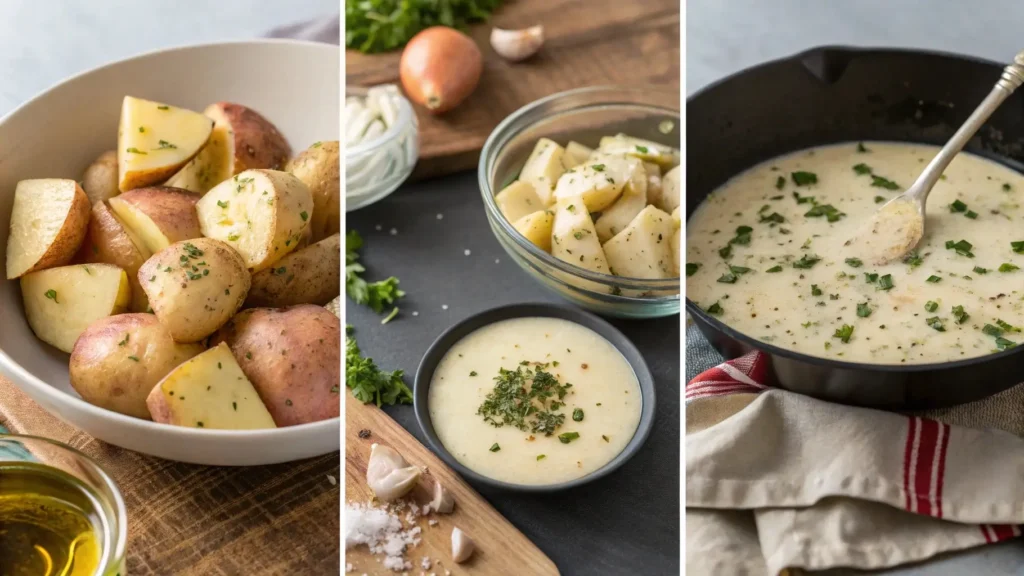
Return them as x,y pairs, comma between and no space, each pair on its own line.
583,115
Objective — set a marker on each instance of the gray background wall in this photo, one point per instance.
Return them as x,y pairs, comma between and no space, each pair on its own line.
45,41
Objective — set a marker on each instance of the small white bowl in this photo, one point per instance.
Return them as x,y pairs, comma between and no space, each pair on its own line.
376,168
296,85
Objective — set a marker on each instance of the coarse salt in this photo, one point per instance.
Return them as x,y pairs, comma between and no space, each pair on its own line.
332,480
415,313
432,522
440,216
425,563
393,231
378,227
444,306
382,532
466,252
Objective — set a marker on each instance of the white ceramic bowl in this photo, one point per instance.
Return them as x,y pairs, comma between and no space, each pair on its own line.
58,133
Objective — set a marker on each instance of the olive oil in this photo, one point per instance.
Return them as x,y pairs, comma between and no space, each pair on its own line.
49,523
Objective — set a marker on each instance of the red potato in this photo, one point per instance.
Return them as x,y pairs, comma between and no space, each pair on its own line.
292,356
440,67
258,143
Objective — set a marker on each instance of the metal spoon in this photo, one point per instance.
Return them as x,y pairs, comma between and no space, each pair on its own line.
898,226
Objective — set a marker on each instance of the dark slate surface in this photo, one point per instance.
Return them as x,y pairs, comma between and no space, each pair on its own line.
627,523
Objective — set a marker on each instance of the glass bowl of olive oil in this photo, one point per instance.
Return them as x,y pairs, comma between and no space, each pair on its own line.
60,513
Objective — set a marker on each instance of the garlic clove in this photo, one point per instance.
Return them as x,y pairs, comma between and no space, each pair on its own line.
462,546
516,45
388,474
443,501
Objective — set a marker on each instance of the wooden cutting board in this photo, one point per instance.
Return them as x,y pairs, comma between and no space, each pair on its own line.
501,549
592,43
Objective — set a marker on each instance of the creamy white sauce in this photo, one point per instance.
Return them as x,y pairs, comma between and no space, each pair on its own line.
604,387
781,307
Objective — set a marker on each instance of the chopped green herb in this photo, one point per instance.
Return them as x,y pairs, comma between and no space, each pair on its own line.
304,215
780,182
605,438
391,316
494,447
806,262
715,309
598,167
727,278
726,252
540,457
1007,187
134,150
567,437
962,247
830,212
854,262
980,270
803,199
163,107
773,217
136,359
992,330
1018,247
815,291
879,199
1007,326
960,315
913,259
885,282
804,178
165,145
52,295
844,333
1007,267
222,203
691,268
879,182
739,270
931,306
377,295
971,214
861,148
957,206
934,279
124,341
1003,343
936,323
513,403
368,382
641,149
577,414
863,310
862,169
871,277
774,269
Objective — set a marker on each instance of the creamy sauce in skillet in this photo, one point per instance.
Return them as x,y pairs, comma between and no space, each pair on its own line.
604,390
774,263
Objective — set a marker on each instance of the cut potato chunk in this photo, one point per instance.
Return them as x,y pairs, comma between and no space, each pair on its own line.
676,256
669,200
653,183
319,169
632,201
155,140
573,238
664,156
48,222
60,303
537,228
643,249
195,287
598,188
109,241
258,143
209,391
575,154
100,179
543,168
335,306
518,199
158,215
214,164
263,214
311,275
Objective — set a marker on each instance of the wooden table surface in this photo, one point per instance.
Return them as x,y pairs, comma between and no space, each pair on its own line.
593,43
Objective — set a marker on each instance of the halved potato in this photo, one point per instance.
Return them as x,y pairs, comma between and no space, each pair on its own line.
261,213
517,200
214,164
195,286
670,190
543,168
537,228
118,359
109,241
155,140
60,303
573,238
632,201
598,187
100,179
258,143
319,169
311,275
158,215
664,156
48,222
643,249
575,154
209,391
676,256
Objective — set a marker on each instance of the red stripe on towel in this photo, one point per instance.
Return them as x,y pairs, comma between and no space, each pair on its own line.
942,469
925,465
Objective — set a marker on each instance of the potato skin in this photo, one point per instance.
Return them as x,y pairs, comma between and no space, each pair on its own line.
67,242
292,356
173,210
318,168
104,372
311,275
100,179
107,241
188,301
258,143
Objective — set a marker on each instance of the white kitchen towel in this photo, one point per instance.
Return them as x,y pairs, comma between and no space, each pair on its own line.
825,485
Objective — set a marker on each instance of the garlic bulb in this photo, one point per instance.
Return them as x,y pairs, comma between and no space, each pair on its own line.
388,474
443,502
462,546
516,45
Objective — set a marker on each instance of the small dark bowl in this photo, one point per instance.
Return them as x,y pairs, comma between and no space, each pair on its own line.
445,341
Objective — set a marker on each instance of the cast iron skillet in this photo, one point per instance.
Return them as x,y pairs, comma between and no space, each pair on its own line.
837,94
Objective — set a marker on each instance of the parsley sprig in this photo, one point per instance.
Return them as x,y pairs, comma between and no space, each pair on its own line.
377,295
383,25
526,398
368,382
